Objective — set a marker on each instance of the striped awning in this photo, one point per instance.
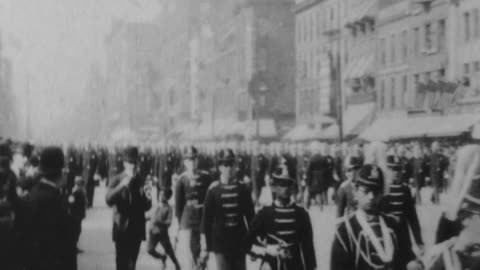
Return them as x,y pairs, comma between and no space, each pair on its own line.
360,67
422,126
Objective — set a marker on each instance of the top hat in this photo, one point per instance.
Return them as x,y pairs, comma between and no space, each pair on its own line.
393,162
131,154
190,152
353,162
52,160
226,156
370,176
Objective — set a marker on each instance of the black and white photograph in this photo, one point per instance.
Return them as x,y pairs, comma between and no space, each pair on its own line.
240,134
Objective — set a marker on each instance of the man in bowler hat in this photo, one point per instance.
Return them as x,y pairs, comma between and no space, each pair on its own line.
51,241
130,199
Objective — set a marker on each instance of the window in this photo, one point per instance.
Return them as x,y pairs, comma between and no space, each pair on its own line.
404,46
304,28
441,35
362,28
466,19
392,49
476,22
383,52
320,25
404,91
441,74
428,36
392,94
416,39
477,66
312,26
345,52
466,68
428,77
381,95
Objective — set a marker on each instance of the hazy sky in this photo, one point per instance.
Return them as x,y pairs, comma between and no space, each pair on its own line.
53,44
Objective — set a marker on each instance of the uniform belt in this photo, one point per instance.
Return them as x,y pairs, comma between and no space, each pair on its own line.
194,203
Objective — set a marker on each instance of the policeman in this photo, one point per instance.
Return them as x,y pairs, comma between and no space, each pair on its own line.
406,170
190,192
438,166
366,240
284,228
419,171
317,181
90,164
400,204
462,251
228,210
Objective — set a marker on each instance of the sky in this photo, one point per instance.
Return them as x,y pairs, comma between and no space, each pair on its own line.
53,44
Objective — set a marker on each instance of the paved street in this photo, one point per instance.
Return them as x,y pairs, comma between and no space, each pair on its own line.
99,250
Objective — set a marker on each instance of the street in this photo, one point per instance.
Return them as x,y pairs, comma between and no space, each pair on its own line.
99,253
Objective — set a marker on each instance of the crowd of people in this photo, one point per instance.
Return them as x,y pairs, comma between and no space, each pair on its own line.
233,200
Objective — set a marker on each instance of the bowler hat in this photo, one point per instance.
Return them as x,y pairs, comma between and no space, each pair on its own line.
393,162
52,160
353,162
130,154
226,156
370,176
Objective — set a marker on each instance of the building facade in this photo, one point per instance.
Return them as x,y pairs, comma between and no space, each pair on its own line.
239,44
317,38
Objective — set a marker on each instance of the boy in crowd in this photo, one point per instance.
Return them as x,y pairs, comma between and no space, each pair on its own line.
161,221
77,202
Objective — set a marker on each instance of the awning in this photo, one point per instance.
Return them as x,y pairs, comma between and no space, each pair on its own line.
422,126
123,134
367,9
360,67
183,131
304,132
248,129
355,119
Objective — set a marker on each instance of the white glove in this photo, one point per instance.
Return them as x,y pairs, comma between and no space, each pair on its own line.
272,250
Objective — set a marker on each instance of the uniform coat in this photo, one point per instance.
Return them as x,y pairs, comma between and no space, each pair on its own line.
51,238
291,224
228,210
352,249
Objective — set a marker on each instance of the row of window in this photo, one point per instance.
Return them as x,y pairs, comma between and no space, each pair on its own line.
311,25
471,25
309,65
392,93
472,67
430,38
